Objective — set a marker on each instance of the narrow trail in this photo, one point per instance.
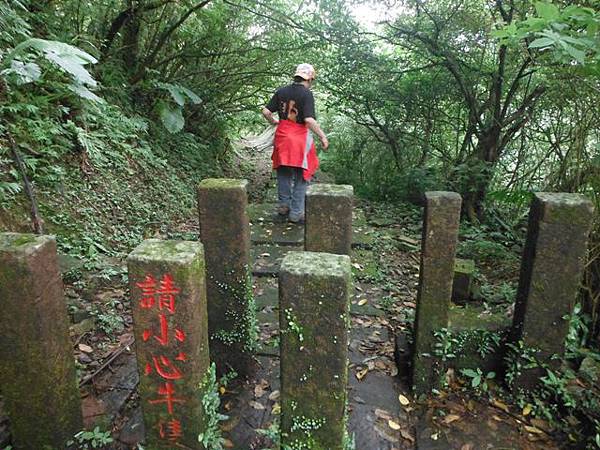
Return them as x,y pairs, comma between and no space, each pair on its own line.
382,413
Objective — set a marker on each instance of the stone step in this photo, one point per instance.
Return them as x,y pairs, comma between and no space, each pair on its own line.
264,232
269,228
267,258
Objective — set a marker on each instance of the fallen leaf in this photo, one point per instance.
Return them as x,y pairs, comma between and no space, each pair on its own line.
361,374
527,409
227,443
410,304
276,409
256,405
404,401
393,425
265,255
451,418
274,395
534,430
362,302
222,390
258,391
357,266
406,435
383,414
499,404
85,348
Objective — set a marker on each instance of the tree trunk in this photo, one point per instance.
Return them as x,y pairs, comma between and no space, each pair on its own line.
481,166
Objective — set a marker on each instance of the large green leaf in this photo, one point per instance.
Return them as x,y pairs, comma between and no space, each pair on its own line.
24,72
171,117
547,11
178,93
66,57
56,47
542,42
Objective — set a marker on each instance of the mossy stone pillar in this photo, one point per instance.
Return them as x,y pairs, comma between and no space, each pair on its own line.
37,366
314,291
168,300
551,270
464,271
225,233
329,218
438,249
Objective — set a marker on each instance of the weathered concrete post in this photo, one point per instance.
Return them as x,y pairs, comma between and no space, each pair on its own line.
314,290
225,233
329,219
551,270
168,300
438,248
37,366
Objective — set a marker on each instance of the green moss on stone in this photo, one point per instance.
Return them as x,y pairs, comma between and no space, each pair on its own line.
316,264
466,266
335,190
223,183
11,241
170,252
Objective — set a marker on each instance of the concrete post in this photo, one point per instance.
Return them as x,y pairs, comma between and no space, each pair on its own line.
438,248
37,366
551,269
329,218
168,299
314,293
225,233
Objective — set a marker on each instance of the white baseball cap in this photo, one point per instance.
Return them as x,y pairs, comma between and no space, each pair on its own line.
305,71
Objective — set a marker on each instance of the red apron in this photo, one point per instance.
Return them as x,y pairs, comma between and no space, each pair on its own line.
294,146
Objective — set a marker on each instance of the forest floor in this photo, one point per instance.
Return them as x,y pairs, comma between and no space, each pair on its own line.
383,413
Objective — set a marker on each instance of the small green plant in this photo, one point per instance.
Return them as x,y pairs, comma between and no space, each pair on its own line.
293,325
212,437
109,319
479,381
387,303
91,439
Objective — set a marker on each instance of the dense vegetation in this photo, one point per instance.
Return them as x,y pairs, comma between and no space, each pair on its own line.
111,111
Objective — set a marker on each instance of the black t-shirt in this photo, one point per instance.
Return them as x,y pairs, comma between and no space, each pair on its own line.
294,102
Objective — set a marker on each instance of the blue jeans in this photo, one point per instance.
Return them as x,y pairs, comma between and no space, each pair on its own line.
291,190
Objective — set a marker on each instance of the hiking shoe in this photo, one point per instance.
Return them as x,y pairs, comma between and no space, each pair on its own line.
297,220
283,210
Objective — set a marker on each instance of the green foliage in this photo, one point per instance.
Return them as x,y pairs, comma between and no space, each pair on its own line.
578,335
478,380
92,439
568,34
66,58
212,437
108,318
171,113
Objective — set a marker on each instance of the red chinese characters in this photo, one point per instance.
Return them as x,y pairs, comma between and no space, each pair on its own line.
161,296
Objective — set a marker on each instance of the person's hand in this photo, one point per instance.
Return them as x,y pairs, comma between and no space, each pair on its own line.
324,142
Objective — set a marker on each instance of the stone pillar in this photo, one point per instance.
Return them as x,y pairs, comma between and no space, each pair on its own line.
314,291
438,248
168,300
551,270
225,233
37,366
329,219
464,271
